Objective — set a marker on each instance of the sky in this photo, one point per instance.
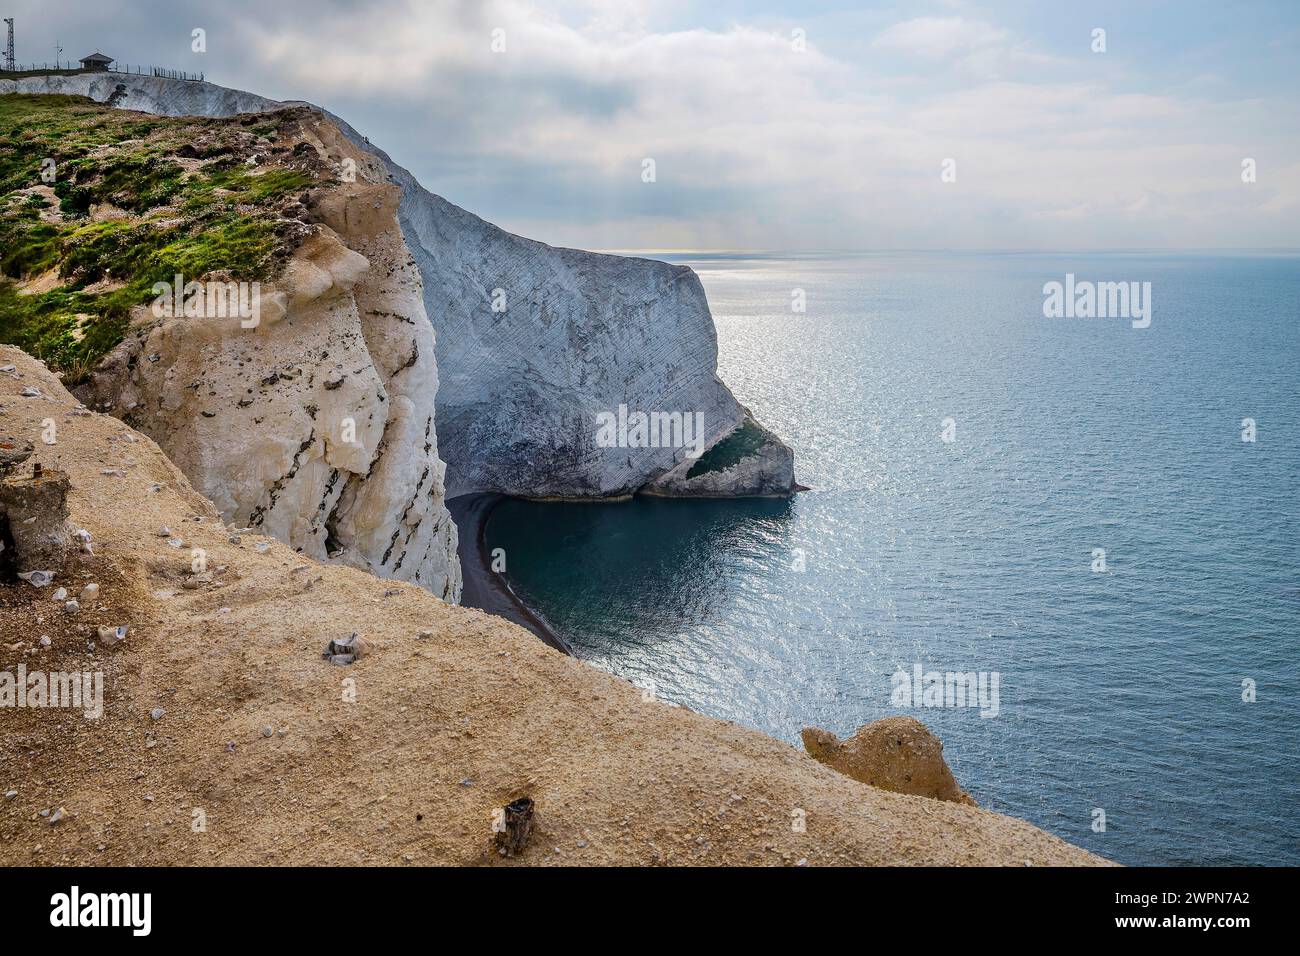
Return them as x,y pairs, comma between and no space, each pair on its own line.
797,126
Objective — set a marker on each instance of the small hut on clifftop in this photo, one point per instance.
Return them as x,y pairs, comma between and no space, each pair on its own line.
96,61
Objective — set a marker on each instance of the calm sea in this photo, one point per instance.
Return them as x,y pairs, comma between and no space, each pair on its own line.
1119,690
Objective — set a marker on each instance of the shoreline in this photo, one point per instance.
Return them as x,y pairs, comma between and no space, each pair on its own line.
481,587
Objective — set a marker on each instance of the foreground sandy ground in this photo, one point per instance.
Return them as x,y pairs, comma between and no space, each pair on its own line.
456,713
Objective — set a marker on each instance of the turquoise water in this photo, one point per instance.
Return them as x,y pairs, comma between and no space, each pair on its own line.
1120,690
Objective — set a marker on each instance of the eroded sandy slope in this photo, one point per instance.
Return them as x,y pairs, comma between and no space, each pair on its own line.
444,728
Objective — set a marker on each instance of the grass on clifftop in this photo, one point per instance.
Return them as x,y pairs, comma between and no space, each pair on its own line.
98,204
743,443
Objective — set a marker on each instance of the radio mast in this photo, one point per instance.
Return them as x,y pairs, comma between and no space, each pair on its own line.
9,46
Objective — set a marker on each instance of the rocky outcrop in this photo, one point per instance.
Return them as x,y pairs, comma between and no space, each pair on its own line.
316,424
749,462
219,706
533,342
33,523
894,753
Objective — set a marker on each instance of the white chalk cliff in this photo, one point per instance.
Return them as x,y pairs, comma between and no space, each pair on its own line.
315,426
578,334
518,388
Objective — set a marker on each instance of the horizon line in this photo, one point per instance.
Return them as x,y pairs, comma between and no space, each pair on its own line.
1151,250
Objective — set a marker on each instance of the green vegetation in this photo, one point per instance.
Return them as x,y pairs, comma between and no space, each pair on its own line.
65,128
743,443
71,71
163,219
240,186
48,326
135,183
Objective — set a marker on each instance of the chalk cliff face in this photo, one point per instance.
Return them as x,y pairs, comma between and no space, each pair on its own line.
148,94
316,425
533,342
574,335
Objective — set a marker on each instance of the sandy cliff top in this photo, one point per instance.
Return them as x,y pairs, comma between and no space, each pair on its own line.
444,729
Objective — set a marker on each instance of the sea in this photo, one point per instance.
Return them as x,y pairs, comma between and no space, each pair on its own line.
1096,516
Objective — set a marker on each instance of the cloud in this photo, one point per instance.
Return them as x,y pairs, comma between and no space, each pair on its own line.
939,37
758,145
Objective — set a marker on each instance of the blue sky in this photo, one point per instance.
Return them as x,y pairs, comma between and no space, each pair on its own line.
760,145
